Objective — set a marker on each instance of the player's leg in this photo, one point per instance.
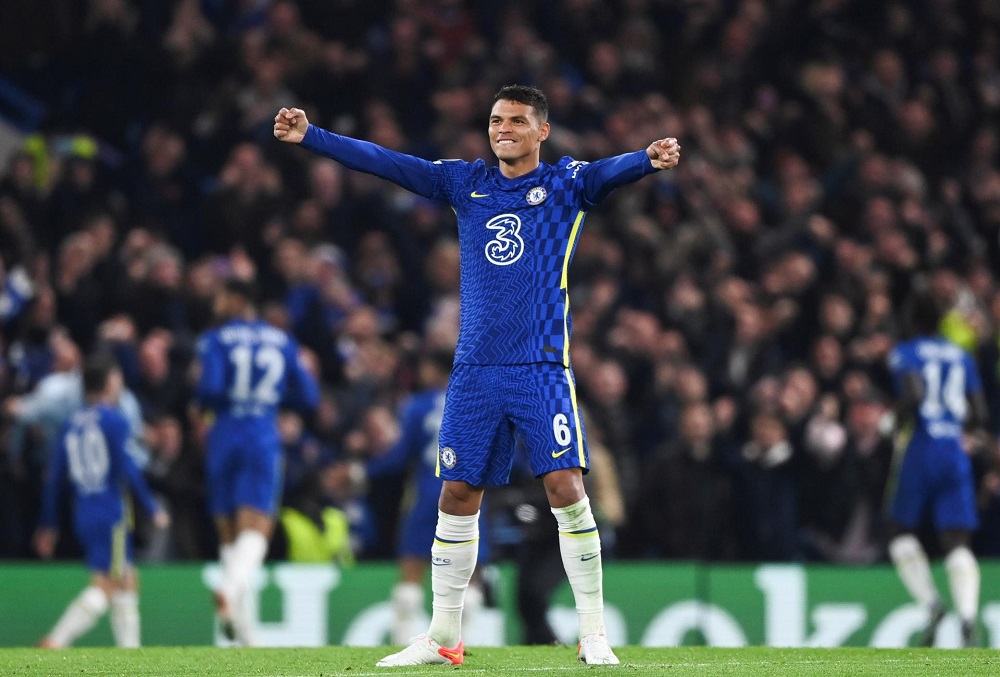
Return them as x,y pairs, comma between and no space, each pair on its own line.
963,579
220,474
249,548
125,625
453,559
92,603
955,518
907,498
914,570
81,614
225,528
473,425
255,479
408,598
580,547
125,621
413,548
549,421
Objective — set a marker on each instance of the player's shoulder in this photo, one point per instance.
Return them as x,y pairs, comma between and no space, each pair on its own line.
901,354
461,167
569,167
109,418
206,339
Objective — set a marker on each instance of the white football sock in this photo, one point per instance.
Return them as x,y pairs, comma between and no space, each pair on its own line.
80,616
125,619
225,556
407,601
963,578
245,560
453,559
580,546
914,569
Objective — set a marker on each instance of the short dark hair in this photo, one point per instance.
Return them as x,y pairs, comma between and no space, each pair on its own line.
96,370
529,96
923,314
245,289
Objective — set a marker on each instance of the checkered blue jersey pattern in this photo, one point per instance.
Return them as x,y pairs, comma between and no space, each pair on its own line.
517,238
90,451
949,377
248,370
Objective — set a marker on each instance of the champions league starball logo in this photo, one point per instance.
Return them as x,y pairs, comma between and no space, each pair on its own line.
507,245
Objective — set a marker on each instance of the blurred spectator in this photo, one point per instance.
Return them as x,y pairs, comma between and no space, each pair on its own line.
834,160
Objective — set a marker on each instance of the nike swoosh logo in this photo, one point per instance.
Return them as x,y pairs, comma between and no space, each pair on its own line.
557,454
475,194
587,558
454,655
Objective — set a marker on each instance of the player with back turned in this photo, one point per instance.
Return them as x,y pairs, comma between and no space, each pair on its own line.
936,382
518,225
247,370
91,451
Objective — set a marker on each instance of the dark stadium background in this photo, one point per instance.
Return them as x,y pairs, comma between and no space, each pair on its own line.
838,154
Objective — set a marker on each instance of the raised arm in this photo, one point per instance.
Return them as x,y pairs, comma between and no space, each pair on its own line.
603,176
422,177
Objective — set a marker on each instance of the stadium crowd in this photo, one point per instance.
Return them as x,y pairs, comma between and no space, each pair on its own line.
732,318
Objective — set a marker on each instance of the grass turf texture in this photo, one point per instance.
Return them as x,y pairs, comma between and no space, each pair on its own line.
524,661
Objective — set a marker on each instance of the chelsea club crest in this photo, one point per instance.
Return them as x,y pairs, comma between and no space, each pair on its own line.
536,196
448,457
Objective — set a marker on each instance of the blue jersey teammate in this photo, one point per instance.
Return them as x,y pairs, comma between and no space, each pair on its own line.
417,450
518,225
248,369
935,381
91,451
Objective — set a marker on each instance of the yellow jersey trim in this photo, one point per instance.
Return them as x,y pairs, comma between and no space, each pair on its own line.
564,282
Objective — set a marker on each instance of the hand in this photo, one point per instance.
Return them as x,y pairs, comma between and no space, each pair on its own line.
290,125
45,542
161,519
663,154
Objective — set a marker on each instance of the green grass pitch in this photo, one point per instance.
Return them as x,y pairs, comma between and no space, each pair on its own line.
522,661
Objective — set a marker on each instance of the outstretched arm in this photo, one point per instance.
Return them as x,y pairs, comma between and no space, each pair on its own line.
603,176
420,176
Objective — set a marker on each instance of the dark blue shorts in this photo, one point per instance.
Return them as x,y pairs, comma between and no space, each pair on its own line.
107,546
489,407
243,471
935,476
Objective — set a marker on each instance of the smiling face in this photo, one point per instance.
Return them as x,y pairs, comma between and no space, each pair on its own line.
516,135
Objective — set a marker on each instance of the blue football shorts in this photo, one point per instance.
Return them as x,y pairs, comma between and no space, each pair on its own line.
488,407
107,546
243,469
935,475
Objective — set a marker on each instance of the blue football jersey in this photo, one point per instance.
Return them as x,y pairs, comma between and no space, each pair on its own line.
949,377
248,370
517,238
417,447
90,450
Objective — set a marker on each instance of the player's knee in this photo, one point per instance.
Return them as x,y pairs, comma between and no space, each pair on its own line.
904,547
564,487
95,599
460,498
